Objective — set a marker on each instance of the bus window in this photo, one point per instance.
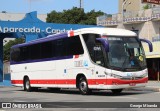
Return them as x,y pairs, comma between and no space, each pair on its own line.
74,46
99,55
24,53
15,54
60,48
35,52
117,53
90,43
46,50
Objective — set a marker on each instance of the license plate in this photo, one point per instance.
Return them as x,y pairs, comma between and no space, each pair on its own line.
132,84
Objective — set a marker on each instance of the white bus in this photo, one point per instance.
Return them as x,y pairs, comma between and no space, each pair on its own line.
87,59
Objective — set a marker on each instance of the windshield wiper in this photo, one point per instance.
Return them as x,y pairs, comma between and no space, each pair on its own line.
123,68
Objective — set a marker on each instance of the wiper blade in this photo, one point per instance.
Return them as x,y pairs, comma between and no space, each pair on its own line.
123,68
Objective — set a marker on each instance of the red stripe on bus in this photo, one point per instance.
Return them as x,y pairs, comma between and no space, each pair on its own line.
115,81
17,81
90,81
67,81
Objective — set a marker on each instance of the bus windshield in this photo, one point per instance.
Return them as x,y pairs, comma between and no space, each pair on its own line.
126,53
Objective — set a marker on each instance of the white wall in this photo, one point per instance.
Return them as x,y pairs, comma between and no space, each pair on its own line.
18,16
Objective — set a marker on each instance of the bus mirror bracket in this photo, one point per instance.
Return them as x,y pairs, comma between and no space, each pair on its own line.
105,43
149,44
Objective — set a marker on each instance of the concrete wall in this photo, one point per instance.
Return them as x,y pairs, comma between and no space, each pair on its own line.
147,29
6,67
135,5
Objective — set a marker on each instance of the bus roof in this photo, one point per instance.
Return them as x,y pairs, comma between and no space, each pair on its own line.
100,30
108,31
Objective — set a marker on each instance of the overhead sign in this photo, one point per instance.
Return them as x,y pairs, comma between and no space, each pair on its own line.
33,29
151,1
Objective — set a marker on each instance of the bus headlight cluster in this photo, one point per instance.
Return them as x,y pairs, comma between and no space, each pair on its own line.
113,75
144,75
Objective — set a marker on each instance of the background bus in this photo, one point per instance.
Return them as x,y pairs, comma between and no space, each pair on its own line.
88,59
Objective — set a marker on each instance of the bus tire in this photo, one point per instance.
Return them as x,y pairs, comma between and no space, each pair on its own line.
116,91
27,86
83,86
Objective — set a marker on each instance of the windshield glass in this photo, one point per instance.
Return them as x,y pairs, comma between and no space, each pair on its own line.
126,53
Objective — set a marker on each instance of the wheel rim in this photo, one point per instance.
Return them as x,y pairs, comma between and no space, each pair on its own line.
27,84
83,86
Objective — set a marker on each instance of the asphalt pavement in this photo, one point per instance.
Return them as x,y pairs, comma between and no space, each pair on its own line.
151,86
150,93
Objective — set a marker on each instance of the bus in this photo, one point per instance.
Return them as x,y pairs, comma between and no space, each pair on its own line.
88,59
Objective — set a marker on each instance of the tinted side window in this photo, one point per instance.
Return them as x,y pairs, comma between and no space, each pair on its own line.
74,46
60,48
99,55
90,40
24,53
47,49
57,48
35,51
15,54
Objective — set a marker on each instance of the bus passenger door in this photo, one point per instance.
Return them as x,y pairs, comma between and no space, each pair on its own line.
100,66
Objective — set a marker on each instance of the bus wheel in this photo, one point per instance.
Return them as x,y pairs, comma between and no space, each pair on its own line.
116,91
83,86
27,86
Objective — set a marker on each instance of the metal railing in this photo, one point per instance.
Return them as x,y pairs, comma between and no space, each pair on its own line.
132,14
156,10
130,17
156,13
107,20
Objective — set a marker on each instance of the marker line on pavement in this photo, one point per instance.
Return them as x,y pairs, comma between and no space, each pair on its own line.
124,97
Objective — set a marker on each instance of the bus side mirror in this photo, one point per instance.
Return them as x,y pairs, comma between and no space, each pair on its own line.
149,44
105,43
